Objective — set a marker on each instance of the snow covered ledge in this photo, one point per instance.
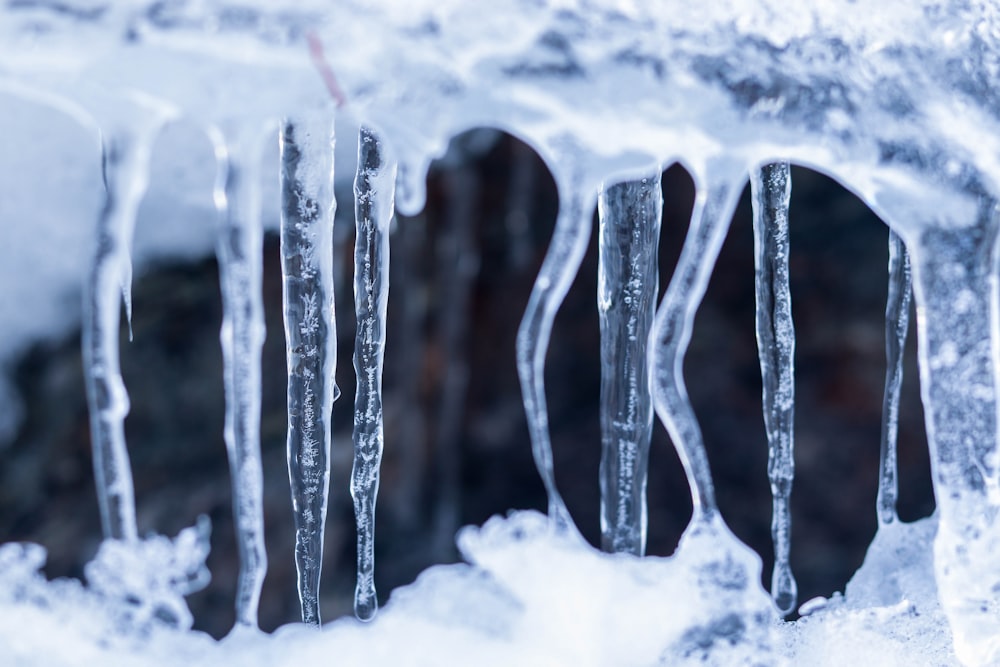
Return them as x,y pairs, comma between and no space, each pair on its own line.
896,100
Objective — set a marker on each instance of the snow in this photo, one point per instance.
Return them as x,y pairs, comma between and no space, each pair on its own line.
894,99
528,596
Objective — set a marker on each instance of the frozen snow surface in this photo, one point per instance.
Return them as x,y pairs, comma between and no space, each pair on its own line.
527,596
896,99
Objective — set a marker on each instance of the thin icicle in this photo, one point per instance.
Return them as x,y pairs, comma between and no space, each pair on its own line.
307,213
627,282
126,288
713,209
127,270
897,324
126,156
239,250
561,264
771,189
374,192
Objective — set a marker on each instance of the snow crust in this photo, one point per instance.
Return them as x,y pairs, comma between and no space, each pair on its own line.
526,596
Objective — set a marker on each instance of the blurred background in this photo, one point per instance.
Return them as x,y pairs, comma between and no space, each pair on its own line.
457,448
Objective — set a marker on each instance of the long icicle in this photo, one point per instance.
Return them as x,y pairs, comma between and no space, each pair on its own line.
713,209
308,205
561,264
955,290
374,192
239,249
897,324
630,215
771,189
126,155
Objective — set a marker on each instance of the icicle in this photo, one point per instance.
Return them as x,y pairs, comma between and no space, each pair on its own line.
126,288
955,288
307,213
771,189
562,261
126,153
374,192
411,186
126,277
713,208
627,281
897,323
240,253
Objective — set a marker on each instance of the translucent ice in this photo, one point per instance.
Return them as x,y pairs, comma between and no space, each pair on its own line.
566,249
307,212
374,192
126,159
897,324
628,279
671,333
771,188
239,248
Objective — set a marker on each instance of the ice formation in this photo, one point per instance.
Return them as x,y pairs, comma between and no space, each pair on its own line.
895,100
306,229
628,275
771,188
373,192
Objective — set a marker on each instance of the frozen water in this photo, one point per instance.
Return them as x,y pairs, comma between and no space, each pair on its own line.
307,212
714,203
627,282
897,324
374,193
771,188
527,596
239,248
130,127
896,100
135,592
566,249
890,611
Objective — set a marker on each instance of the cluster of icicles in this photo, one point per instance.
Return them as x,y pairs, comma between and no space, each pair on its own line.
642,347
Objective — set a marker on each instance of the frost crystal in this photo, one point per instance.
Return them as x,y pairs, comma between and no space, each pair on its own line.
145,581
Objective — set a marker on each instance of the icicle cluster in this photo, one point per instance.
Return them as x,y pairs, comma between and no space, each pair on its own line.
900,106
